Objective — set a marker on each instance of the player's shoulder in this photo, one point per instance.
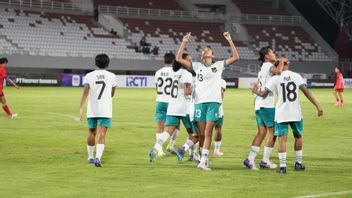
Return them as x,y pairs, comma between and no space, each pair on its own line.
266,66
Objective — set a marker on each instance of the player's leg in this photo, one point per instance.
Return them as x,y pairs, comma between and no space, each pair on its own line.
212,110
269,117
171,146
190,140
257,141
160,118
91,144
340,97
281,130
297,128
268,149
103,125
218,137
92,129
171,124
5,107
336,97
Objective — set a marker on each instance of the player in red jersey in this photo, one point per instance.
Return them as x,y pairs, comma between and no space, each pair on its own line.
3,76
339,87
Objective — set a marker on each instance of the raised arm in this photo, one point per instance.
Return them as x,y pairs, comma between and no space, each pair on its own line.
279,67
235,55
185,63
83,100
12,83
311,98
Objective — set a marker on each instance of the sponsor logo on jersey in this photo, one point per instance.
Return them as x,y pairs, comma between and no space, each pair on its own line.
214,70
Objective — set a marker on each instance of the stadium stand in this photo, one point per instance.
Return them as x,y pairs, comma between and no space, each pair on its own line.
290,41
259,7
151,4
167,35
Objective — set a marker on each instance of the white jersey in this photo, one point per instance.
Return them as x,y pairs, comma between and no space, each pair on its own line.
163,84
286,87
101,83
221,109
177,103
264,76
208,84
191,100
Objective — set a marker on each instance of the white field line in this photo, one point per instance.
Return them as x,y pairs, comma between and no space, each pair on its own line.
326,194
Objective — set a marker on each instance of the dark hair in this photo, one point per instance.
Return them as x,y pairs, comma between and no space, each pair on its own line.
264,51
339,68
176,66
169,58
102,61
3,60
184,55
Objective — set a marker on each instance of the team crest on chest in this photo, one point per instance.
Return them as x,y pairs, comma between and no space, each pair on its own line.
214,70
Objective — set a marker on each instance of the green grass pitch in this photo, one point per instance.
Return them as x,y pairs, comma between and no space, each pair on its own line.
43,152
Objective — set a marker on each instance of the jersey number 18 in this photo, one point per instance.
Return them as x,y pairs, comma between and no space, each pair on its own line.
289,91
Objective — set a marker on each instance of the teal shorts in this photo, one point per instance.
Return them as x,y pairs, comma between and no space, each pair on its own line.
102,122
207,112
160,111
220,122
175,121
265,117
281,129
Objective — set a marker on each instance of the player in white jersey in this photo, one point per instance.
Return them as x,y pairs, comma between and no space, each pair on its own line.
208,91
288,112
219,123
265,110
181,87
163,85
171,146
100,86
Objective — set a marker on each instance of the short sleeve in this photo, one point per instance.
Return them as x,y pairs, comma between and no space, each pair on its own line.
195,65
300,81
156,77
114,80
270,86
220,65
223,84
86,80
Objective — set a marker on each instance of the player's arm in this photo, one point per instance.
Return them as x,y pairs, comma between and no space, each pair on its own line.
188,89
185,63
235,57
12,83
261,93
83,100
113,92
279,66
311,98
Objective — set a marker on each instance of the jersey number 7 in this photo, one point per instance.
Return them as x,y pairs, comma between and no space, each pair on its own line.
102,88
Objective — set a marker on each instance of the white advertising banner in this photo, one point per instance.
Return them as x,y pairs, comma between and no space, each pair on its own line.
246,82
135,81
348,82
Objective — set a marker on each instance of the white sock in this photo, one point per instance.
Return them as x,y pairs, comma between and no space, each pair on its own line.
217,146
299,155
282,158
100,150
191,150
188,144
205,154
253,153
90,150
173,138
161,140
267,154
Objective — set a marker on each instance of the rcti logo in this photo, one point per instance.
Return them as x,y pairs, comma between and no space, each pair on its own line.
136,81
